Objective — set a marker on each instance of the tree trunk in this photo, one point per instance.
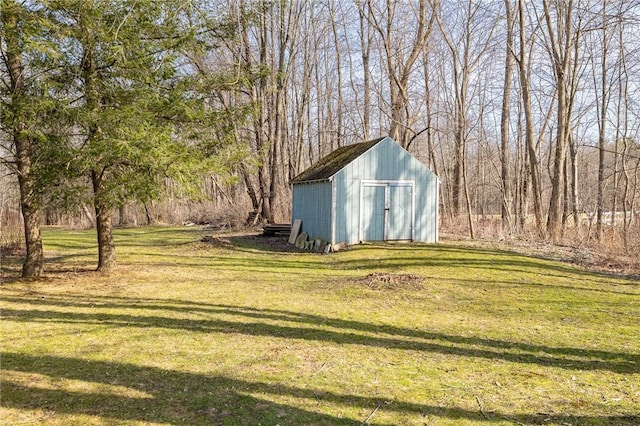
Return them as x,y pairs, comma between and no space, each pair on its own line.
504,123
30,205
602,123
573,150
29,198
340,100
458,168
365,47
557,180
149,216
524,72
562,37
255,203
90,75
106,247
525,189
565,198
467,197
263,178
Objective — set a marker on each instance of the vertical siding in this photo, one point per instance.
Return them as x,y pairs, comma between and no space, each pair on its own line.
386,161
400,220
348,202
312,205
373,218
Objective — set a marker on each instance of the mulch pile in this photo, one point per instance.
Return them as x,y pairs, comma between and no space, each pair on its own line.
216,241
391,281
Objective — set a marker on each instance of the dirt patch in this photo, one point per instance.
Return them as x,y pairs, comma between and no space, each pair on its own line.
389,281
270,243
218,242
253,241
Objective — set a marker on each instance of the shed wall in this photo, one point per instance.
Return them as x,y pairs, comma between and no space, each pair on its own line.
312,204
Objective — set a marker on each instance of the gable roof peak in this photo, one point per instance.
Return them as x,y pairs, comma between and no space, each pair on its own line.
332,163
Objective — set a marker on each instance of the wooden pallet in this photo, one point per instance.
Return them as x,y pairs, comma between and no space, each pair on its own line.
277,229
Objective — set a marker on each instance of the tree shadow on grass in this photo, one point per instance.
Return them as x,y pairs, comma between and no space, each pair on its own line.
150,394
511,268
468,260
229,319
400,256
154,394
394,257
420,254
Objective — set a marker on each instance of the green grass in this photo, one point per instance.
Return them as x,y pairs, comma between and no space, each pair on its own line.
190,333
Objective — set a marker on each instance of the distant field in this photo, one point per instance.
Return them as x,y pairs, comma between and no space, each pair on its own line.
238,333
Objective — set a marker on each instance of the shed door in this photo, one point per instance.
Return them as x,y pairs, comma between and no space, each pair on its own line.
400,212
386,211
373,204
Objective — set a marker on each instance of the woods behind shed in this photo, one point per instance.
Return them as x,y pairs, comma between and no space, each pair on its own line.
370,191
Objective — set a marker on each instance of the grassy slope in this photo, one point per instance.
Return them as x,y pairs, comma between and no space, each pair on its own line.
188,333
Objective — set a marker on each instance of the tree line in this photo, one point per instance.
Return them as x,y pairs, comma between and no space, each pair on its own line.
528,111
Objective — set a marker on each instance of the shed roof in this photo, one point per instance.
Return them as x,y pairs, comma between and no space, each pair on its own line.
334,162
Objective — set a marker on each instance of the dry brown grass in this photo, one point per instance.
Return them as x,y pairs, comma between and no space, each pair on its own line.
615,253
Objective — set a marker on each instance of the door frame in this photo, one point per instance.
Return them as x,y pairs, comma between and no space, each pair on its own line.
387,184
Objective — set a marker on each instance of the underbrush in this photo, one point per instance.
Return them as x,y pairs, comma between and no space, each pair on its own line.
617,251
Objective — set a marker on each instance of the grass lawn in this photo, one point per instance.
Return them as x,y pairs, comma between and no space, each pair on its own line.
187,332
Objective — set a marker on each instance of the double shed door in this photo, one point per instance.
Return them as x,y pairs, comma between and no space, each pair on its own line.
386,210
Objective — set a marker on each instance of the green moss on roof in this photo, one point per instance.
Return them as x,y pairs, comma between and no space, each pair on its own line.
334,162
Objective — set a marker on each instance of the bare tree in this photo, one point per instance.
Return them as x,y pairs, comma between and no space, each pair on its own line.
602,95
505,119
562,37
532,163
399,66
365,48
467,49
